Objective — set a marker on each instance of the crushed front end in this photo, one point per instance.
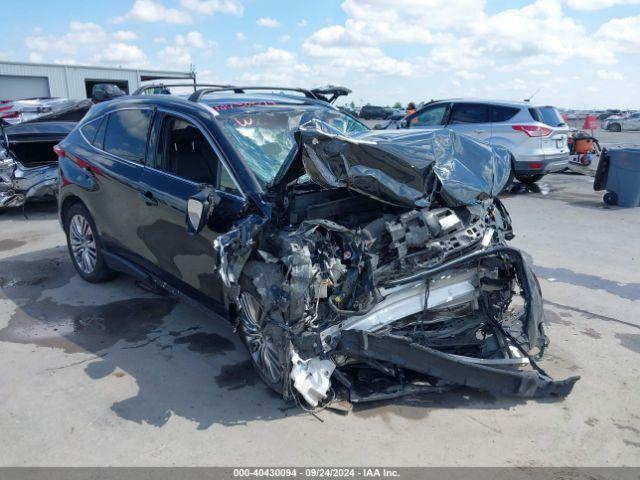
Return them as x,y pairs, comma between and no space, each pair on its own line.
389,273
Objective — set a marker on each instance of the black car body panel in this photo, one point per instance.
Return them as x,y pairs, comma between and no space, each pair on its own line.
335,231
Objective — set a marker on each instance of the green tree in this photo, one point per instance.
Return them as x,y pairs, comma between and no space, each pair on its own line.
397,105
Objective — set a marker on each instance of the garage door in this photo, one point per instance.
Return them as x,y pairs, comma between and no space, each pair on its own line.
14,87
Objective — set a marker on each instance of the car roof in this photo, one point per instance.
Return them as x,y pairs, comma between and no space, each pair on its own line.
504,103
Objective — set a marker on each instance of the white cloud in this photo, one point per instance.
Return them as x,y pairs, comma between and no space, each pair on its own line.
125,35
210,7
284,38
160,40
540,71
609,75
272,65
121,54
302,23
268,22
466,75
193,39
175,56
241,37
35,57
80,36
599,4
622,33
151,11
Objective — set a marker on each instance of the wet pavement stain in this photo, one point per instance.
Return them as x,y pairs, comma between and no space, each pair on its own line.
630,341
10,244
553,318
631,444
237,375
207,343
592,422
590,332
73,328
419,407
85,328
627,427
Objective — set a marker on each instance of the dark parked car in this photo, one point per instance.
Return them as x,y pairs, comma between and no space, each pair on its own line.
28,163
372,112
356,264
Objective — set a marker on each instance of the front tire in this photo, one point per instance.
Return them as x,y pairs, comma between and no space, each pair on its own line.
529,179
84,245
263,340
615,127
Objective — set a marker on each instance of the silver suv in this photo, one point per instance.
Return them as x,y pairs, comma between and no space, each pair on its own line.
536,136
630,122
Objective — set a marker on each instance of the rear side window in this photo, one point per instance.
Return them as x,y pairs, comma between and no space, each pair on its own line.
126,134
94,131
89,130
502,114
547,115
470,113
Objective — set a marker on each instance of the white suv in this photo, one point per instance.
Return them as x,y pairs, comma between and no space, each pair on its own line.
536,136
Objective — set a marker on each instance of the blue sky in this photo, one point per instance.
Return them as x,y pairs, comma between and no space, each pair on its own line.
573,53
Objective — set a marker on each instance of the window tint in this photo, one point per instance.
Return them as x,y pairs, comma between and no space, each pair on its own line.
547,115
502,114
430,116
470,113
225,182
126,134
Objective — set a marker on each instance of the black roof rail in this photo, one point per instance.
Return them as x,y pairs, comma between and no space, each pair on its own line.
198,94
195,86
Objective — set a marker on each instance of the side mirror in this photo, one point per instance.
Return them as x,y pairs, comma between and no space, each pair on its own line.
199,208
403,123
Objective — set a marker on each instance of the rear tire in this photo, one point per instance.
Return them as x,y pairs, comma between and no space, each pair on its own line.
84,245
529,179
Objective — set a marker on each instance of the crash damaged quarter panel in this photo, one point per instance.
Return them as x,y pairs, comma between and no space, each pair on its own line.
389,273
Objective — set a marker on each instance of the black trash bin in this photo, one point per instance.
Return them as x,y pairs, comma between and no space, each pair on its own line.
619,174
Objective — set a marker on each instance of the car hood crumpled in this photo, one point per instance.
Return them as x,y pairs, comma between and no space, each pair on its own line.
404,167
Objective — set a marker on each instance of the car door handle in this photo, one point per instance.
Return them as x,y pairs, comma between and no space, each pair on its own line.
149,198
479,130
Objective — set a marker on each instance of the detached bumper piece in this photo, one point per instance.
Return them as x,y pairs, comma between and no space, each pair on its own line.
452,369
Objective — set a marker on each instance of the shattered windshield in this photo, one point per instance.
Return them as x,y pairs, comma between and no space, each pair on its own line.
264,134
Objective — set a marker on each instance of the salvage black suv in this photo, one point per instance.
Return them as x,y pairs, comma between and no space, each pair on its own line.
355,264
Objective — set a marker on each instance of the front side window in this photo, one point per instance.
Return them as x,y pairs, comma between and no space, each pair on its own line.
429,117
126,134
470,113
185,152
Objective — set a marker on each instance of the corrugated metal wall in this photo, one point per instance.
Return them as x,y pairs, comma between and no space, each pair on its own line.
68,80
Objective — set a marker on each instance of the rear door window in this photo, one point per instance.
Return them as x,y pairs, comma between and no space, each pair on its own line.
470,113
547,115
126,134
501,113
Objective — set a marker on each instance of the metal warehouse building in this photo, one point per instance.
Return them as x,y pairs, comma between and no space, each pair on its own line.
28,80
